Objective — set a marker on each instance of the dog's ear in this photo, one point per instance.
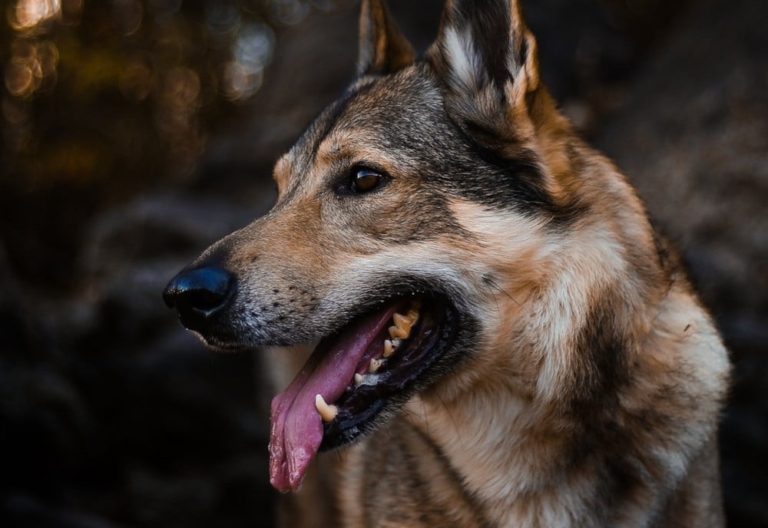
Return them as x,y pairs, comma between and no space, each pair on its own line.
383,49
486,58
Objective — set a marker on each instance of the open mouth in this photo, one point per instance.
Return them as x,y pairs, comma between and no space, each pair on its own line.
372,364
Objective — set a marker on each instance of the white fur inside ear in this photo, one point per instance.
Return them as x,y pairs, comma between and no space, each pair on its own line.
466,65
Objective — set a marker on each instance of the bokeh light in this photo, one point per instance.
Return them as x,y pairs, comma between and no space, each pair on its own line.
110,98
222,20
30,13
252,52
136,80
32,65
129,14
288,12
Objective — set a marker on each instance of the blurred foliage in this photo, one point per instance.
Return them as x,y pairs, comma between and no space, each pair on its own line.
104,98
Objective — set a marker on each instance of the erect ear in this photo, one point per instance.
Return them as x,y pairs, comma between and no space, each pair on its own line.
486,57
383,49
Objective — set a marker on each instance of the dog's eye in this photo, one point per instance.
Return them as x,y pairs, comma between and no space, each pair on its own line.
360,180
365,180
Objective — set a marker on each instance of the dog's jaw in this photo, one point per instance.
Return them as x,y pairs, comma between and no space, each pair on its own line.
296,428
356,377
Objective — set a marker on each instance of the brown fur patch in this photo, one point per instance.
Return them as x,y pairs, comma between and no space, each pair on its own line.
585,380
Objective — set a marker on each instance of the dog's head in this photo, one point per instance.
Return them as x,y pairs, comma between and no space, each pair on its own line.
415,218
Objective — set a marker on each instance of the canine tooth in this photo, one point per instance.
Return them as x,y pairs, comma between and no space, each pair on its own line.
359,379
327,412
403,321
389,348
375,365
399,332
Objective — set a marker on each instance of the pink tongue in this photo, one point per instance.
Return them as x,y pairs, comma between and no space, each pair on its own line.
297,429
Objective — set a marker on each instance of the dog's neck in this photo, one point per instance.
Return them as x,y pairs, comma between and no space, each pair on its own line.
533,462
503,448
510,432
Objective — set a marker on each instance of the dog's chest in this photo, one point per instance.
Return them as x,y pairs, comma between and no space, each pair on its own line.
396,477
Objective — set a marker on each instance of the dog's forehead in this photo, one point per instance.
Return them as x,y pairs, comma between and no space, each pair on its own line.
394,106
386,114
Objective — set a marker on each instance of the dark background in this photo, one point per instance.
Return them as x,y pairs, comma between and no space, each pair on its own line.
136,132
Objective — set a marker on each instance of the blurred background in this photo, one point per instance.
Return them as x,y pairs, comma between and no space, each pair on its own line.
137,132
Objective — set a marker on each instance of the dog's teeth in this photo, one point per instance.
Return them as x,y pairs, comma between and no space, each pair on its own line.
375,365
403,324
394,331
389,348
403,321
327,412
359,379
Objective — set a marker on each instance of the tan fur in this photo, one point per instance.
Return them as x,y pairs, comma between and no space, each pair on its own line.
592,396
496,422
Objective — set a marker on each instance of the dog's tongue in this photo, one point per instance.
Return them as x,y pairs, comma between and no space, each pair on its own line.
297,429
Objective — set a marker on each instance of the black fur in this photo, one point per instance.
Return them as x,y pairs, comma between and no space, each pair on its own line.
488,22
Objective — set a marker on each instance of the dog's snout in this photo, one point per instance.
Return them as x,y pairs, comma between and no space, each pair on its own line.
199,294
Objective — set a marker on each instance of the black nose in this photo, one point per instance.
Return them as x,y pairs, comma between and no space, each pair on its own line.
199,294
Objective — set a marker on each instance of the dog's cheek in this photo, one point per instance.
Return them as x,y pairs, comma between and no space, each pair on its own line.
411,216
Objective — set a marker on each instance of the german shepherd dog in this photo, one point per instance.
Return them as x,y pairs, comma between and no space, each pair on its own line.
495,333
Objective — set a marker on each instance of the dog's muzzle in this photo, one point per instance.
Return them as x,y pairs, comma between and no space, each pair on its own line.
199,294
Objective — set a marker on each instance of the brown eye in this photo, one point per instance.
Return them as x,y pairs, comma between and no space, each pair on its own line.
365,180
360,180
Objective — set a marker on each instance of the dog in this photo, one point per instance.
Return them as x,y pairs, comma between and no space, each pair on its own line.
494,333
